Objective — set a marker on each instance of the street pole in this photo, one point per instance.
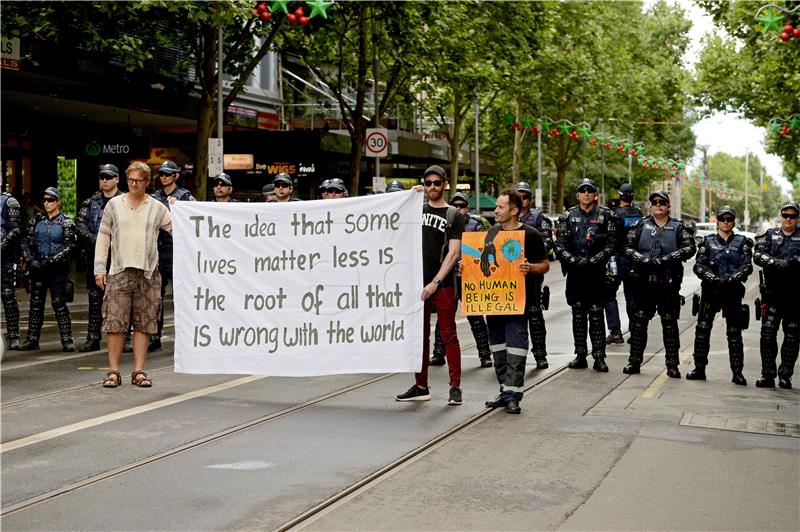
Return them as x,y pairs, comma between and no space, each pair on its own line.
539,202
702,216
477,159
219,86
376,65
746,190
602,160
630,166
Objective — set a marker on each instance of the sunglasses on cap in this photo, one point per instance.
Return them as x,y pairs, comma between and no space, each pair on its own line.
726,219
49,200
659,202
460,205
434,183
789,215
584,190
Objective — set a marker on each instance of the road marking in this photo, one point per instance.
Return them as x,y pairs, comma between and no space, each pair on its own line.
652,390
89,423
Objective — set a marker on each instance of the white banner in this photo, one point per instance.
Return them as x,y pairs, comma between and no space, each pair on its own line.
300,288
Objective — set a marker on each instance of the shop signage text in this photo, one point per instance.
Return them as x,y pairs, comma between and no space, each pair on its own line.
10,53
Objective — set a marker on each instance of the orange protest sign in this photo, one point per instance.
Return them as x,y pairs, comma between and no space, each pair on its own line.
489,284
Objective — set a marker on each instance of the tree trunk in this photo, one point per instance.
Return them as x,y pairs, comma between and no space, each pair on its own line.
455,142
356,143
517,158
357,131
206,120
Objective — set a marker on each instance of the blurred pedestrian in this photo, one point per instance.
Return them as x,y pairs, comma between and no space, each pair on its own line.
10,216
87,224
777,251
129,231
657,246
627,216
49,240
508,334
441,247
535,218
585,240
268,191
223,188
169,173
724,261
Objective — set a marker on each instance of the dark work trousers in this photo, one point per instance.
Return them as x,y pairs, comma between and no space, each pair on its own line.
165,269
508,340
612,309
444,301
55,280
587,293
663,298
10,305
710,305
95,294
772,316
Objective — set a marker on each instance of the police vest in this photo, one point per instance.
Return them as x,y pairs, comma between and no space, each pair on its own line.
782,246
656,241
49,236
95,213
588,232
628,215
180,194
725,259
7,226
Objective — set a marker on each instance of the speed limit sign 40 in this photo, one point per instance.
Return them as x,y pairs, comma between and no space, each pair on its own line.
377,142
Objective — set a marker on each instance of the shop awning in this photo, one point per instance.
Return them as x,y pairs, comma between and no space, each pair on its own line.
487,202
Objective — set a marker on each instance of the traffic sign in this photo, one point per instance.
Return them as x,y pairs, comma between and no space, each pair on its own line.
377,142
216,157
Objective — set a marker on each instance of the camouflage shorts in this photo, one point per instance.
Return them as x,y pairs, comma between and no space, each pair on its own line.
131,298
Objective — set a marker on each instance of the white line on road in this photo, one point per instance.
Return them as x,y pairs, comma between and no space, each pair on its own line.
89,423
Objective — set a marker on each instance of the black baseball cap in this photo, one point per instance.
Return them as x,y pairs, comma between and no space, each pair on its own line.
283,178
268,189
586,182
790,205
225,178
522,186
659,194
52,191
109,169
626,191
726,209
168,167
435,169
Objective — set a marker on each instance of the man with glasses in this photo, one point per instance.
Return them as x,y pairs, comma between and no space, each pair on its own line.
87,224
777,251
476,323
627,216
10,216
657,247
223,188
129,233
284,186
585,238
723,263
536,219
169,193
441,247
48,244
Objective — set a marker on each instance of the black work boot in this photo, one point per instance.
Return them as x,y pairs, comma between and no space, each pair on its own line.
155,344
437,360
615,337
29,345
673,372
785,383
486,361
631,369
13,344
67,345
738,378
579,362
541,363
697,374
600,365
90,345
765,382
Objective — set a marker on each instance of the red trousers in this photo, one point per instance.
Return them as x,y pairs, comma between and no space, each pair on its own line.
444,301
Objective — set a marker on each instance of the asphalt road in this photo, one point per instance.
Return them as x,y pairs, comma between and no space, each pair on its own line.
212,452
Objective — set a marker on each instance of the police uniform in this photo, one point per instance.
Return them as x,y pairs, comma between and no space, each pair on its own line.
536,324
87,224
11,231
657,254
779,256
477,324
627,217
46,249
722,266
584,243
165,246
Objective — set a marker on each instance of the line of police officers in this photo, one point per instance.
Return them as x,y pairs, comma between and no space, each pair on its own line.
588,241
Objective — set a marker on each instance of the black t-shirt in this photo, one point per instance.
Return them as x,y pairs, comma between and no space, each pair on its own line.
534,252
434,236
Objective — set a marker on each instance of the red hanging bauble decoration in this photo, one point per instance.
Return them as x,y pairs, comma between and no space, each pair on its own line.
292,18
265,16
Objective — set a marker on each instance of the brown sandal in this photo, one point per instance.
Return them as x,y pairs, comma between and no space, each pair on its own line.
143,381
112,380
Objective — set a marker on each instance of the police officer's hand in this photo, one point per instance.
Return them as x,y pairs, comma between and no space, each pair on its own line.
100,281
596,260
656,261
485,258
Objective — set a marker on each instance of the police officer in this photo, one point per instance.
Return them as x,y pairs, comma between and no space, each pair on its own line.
323,189
12,232
777,251
268,191
536,219
476,323
627,216
723,263
169,193
49,240
657,246
223,187
395,186
87,224
336,189
585,239
284,186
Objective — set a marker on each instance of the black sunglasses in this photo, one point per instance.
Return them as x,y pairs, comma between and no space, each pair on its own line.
49,200
282,185
221,184
659,202
727,219
525,197
334,191
436,183
105,177
789,215
584,190
460,205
